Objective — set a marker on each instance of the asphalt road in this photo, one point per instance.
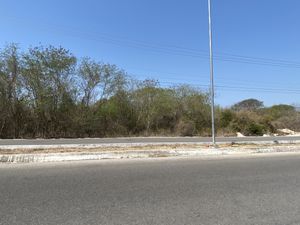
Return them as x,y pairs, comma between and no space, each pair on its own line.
228,191
141,140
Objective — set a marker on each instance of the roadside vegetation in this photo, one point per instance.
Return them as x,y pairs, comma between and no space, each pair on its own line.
47,92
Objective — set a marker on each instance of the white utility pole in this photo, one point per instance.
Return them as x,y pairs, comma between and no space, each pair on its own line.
212,88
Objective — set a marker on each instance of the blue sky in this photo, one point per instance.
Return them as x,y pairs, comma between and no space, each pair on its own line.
256,42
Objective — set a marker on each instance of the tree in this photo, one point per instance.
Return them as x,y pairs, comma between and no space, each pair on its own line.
154,106
90,73
49,84
10,92
248,104
193,108
277,111
45,93
98,80
99,83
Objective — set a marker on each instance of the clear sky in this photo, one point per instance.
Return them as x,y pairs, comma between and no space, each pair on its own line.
256,42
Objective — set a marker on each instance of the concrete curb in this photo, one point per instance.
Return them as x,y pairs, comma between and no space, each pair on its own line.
59,157
78,156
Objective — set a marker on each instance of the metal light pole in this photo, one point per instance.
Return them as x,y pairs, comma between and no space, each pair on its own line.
212,88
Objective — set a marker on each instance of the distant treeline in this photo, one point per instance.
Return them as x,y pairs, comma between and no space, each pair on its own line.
47,92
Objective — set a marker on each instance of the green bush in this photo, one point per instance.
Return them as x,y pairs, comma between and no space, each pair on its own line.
254,129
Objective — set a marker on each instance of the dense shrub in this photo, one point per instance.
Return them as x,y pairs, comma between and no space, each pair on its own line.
47,92
254,129
186,128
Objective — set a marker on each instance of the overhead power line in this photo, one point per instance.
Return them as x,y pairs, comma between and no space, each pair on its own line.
220,81
164,48
236,88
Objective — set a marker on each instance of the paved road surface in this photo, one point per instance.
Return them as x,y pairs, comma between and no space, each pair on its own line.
141,140
247,191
